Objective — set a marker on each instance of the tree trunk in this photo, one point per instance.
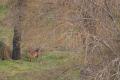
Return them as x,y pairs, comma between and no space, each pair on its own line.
16,44
18,12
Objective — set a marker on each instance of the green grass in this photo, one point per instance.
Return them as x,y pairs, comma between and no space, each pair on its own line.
3,11
47,67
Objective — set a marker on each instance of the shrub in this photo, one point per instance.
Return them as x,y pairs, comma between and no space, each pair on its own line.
5,52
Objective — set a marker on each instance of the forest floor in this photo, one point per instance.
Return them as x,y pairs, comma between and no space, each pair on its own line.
54,65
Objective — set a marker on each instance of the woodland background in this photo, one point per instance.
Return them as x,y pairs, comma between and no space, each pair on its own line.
80,39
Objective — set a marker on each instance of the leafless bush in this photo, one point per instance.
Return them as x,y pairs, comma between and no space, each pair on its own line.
110,72
5,52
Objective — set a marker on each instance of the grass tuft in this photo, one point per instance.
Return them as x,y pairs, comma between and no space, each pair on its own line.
3,11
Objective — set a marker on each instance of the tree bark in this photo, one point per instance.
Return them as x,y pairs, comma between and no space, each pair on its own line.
18,12
16,44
